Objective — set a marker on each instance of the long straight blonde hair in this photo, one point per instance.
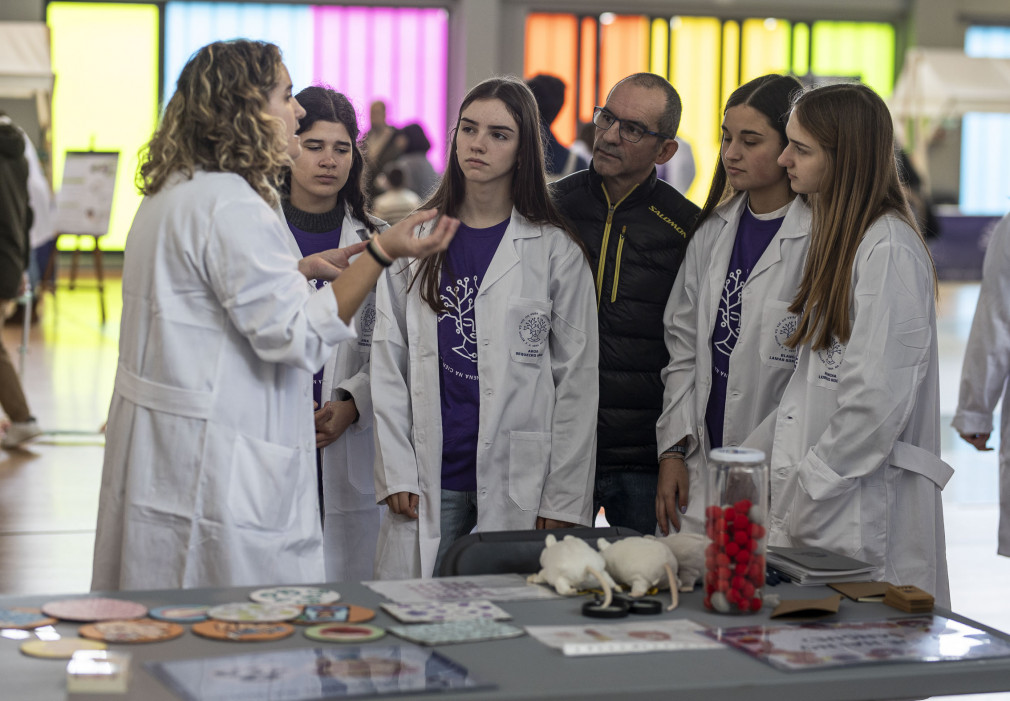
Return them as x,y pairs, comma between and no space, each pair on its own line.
860,184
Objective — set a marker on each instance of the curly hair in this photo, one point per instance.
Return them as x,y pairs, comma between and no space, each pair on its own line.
216,121
323,104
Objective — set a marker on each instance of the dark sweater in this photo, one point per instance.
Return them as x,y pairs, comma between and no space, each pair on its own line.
15,214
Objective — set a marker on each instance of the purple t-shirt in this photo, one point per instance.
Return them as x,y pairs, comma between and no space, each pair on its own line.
752,238
309,243
466,261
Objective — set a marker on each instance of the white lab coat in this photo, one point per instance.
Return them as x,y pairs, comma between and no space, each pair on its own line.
351,520
209,477
987,365
760,365
855,464
539,396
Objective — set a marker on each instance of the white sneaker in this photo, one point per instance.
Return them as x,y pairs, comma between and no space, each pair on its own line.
20,432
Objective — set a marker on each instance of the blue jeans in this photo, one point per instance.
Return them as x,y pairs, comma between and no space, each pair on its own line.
629,499
457,517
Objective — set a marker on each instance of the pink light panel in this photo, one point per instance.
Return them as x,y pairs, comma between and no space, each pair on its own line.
395,55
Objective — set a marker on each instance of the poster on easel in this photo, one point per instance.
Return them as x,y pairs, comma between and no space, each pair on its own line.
84,202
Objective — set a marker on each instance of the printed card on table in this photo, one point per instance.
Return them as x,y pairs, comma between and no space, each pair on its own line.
438,611
490,587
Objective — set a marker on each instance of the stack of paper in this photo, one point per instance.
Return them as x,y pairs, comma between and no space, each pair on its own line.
813,565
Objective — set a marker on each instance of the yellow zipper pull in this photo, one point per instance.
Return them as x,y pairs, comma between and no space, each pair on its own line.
603,249
617,263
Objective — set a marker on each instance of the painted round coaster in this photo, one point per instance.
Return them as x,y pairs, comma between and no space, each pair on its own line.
142,630
180,614
243,632
24,618
344,633
295,595
62,649
315,614
94,609
245,612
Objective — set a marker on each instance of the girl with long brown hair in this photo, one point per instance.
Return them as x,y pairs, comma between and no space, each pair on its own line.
728,311
484,358
855,463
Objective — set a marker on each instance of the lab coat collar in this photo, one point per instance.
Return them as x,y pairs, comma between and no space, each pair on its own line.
507,255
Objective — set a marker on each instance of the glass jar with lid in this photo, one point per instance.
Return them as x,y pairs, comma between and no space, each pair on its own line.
736,517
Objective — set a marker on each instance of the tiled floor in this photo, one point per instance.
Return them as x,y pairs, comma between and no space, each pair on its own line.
48,493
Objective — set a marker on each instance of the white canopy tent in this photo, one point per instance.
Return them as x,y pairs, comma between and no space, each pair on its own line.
25,67
938,85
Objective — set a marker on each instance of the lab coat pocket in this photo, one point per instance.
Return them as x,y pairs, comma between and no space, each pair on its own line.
834,523
364,322
824,365
529,460
264,480
777,325
528,328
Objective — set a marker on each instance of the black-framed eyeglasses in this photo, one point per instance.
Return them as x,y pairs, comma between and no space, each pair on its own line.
629,131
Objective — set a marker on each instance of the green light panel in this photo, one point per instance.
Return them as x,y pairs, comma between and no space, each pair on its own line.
862,50
105,57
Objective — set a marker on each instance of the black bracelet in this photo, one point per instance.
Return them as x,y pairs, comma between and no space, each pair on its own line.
379,258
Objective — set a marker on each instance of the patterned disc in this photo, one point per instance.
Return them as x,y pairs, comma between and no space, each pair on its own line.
142,630
243,632
339,613
295,595
62,649
94,609
180,614
344,633
245,612
24,618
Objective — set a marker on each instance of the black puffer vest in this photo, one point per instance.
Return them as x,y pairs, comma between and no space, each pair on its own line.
635,248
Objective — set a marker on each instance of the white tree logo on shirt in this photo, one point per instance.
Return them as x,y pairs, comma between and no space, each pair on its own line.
458,300
729,314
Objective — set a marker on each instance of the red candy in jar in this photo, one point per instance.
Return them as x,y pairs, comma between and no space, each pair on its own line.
737,488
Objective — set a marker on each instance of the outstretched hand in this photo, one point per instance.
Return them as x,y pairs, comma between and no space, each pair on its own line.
327,265
398,241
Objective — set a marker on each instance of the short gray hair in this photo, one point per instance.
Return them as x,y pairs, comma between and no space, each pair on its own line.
669,121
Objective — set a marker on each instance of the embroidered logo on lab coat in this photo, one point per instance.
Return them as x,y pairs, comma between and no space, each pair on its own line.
785,329
830,360
366,324
533,330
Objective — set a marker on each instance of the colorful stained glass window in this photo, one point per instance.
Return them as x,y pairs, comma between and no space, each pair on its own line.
705,58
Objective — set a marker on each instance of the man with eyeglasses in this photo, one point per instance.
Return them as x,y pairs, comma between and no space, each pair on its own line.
635,228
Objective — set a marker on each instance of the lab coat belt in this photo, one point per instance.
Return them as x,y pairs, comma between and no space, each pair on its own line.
158,397
919,460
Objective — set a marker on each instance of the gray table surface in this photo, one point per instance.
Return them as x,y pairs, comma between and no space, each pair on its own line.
523,668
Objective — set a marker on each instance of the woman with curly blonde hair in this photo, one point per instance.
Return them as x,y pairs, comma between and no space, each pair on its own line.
209,474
